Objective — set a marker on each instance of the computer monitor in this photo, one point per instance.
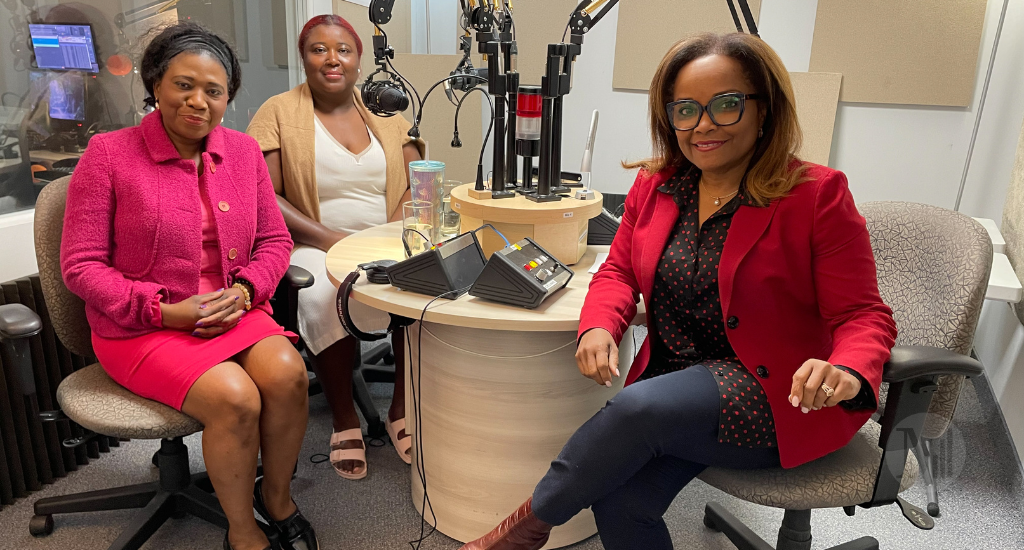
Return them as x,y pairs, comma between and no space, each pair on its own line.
67,96
64,47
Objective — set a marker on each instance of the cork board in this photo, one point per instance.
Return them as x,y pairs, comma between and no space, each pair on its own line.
648,29
817,98
439,117
916,52
399,29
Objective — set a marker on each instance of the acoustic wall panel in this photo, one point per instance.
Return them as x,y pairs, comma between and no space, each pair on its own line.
917,52
817,98
439,115
649,28
538,23
399,29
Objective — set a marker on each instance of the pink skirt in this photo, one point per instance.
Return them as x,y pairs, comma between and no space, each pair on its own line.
163,365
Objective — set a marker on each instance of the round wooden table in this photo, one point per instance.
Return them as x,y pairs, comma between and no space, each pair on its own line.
498,390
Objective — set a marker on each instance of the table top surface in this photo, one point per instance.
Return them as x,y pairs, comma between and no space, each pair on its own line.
519,209
560,312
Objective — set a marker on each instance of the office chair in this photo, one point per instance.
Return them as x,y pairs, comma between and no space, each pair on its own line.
90,398
374,365
933,269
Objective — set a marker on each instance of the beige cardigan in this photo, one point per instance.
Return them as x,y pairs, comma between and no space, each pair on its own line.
285,122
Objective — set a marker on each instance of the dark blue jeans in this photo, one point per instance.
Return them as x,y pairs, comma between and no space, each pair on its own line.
633,457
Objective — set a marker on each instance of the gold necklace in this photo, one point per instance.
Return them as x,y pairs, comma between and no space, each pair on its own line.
718,200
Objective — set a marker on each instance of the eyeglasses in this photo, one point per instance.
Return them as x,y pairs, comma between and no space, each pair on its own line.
724,110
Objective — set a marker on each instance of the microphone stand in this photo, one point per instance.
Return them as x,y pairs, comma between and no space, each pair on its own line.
496,45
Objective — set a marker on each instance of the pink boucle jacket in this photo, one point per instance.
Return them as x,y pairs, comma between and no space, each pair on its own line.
133,224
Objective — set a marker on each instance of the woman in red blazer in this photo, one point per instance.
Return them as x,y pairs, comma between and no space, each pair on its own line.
767,335
173,239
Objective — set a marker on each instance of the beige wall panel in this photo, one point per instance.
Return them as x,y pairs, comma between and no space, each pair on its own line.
918,52
649,28
439,116
538,23
399,29
817,97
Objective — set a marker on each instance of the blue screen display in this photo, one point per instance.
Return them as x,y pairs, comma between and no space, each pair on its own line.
64,47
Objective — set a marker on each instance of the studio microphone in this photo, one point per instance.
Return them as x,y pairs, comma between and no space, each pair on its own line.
384,97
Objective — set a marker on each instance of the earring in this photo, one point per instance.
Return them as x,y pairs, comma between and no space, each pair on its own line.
760,132
156,105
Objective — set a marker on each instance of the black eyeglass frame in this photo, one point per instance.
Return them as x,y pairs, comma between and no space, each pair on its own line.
704,109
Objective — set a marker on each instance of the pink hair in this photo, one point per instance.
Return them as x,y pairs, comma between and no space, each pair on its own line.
328,19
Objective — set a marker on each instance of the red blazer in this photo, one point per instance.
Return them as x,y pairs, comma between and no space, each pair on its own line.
797,281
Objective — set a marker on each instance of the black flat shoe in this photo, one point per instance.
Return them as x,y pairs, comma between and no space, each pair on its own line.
295,531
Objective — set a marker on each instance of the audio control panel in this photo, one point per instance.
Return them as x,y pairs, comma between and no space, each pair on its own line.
523,274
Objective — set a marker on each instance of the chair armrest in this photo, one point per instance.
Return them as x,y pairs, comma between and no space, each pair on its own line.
18,321
909,362
297,277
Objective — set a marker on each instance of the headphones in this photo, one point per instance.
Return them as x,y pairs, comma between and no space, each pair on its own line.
376,272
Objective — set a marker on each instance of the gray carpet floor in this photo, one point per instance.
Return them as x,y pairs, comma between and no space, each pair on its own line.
980,485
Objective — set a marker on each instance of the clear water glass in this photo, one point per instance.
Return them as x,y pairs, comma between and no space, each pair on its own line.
450,219
417,226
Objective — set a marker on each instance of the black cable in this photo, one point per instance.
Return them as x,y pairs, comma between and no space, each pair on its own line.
490,127
402,80
405,243
438,83
417,394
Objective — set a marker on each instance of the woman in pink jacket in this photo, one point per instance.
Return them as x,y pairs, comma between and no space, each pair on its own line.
173,238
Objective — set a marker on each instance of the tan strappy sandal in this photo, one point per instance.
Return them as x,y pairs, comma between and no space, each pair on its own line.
338,454
400,438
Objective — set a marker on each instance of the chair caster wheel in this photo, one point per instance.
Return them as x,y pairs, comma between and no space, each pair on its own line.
933,509
40,526
710,524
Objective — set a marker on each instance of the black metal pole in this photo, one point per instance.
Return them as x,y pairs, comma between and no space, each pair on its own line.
544,176
510,137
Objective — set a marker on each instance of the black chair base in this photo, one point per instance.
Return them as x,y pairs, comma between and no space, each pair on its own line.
795,533
177,494
368,371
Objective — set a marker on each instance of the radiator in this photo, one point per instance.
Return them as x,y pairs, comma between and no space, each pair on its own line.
31,451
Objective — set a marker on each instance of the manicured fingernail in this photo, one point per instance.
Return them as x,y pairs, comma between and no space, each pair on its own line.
199,324
236,298
804,410
794,400
195,333
817,408
202,306
220,290
608,384
243,314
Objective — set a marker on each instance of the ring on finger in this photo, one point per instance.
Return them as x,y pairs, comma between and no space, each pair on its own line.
829,390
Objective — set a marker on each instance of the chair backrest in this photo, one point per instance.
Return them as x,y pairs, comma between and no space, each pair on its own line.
67,311
1012,227
933,269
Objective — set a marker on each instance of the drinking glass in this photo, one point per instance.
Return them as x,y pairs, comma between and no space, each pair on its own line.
425,178
450,219
417,226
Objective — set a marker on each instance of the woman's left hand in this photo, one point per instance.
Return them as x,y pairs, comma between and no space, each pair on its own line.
807,392
224,319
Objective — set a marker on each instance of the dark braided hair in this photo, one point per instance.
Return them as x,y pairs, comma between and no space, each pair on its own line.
187,37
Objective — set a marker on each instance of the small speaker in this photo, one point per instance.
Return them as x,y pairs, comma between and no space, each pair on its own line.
451,265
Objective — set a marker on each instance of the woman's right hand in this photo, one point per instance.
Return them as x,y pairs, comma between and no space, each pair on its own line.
185,314
597,356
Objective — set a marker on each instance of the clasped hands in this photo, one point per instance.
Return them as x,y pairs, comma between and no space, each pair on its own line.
206,315
598,359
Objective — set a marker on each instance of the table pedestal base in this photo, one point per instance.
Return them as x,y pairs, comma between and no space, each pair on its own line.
496,408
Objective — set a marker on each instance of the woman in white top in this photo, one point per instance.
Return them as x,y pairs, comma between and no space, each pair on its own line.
337,169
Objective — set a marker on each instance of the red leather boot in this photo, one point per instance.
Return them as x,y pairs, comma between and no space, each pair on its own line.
520,531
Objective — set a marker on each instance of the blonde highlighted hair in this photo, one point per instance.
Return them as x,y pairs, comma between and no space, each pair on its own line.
770,174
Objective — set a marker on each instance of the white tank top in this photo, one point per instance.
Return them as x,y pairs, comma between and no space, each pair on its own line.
350,186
